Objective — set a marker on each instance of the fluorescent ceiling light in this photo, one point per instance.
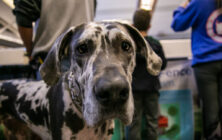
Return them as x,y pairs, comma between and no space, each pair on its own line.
9,3
146,4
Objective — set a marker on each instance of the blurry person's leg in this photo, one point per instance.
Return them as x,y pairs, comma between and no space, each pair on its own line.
151,112
134,129
207,83
220,94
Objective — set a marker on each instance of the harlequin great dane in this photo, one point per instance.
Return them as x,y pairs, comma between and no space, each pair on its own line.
87,83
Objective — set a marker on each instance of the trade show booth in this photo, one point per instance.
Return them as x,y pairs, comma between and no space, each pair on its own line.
180,113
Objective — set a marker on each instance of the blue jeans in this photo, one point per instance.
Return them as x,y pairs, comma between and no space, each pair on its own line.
209,83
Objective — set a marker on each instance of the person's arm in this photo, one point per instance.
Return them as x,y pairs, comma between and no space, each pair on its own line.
185,15
159,51
26,12
26,36
162,56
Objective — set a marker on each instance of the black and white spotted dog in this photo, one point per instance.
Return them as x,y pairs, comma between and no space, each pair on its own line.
87,83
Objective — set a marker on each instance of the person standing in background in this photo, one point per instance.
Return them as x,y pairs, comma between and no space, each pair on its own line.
205,19
54,17
145,86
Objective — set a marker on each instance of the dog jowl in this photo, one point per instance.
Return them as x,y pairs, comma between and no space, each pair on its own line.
88,73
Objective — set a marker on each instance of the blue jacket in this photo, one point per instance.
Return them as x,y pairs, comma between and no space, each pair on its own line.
206,21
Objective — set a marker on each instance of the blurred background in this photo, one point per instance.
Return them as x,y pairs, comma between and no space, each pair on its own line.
12,51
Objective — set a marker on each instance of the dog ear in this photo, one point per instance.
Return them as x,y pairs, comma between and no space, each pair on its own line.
57,61
154,62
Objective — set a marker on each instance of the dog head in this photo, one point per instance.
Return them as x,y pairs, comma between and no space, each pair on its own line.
100,57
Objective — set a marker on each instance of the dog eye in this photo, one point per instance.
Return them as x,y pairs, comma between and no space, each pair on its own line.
126,46
82,49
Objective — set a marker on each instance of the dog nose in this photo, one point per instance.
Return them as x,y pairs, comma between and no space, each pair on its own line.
109,92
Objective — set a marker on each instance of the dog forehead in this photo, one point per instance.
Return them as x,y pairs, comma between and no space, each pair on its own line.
110,29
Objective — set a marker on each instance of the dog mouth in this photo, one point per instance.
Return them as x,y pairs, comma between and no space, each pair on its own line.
110,116
115,111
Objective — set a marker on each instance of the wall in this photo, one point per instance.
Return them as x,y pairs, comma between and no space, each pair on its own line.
115,9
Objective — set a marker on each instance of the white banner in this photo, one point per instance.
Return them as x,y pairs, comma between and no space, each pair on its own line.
179,103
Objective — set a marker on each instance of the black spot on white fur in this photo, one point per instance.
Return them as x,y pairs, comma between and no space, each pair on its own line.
73,121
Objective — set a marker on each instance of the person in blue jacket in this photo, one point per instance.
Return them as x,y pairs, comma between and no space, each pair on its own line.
205,19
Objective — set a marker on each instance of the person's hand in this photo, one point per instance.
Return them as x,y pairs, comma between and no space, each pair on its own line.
29,56
185,3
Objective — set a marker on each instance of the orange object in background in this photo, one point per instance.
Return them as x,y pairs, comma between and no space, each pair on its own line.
162,122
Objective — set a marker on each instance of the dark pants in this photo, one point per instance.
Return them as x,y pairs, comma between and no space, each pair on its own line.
209,83
145,104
